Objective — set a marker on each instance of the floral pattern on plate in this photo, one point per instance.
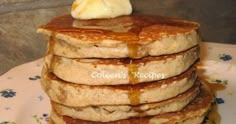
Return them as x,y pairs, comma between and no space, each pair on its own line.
22,101
7,93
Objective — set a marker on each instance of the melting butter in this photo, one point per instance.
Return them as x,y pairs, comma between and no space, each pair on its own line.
99,9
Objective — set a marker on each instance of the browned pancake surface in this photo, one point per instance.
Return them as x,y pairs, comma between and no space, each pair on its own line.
132,29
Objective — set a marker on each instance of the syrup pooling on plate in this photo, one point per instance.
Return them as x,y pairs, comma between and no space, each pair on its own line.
216,87
214,115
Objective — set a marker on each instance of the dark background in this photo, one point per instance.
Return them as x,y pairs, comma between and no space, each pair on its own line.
19,20
217,17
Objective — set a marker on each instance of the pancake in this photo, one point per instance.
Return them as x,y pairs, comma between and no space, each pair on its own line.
194,113
194,120
114,113
121,71
76,95
121,37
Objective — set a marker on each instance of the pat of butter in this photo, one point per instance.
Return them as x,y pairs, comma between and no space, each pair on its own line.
99,9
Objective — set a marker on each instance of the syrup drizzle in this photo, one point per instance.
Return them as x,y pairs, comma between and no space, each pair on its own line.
134,97
48,86
51,43
134,94
141,113
133,50
132,71
50,52
63,94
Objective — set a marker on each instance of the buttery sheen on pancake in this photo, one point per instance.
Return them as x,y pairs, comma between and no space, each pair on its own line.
121,71
76,95
121,37
119,112
194,113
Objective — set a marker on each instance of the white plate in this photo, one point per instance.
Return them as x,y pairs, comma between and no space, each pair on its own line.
22,101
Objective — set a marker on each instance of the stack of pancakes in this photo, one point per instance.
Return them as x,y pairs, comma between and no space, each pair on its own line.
126,70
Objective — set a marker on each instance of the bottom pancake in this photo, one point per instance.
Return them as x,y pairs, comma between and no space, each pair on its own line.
194,113
194,120
119,112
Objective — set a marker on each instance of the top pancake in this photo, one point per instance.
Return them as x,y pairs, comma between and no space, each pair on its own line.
126,36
